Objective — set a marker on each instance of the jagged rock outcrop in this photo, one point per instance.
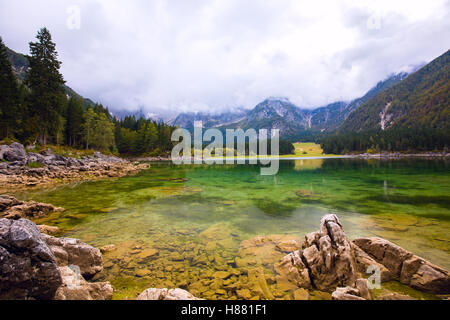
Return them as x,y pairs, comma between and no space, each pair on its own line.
74,287
328,261
325,261
28,268
166,294
74,252
11,208
16,172
293,270
406,267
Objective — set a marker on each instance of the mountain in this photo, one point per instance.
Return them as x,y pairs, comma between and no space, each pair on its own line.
302,124
186,120
419,101
20,65
294,123
331,117
275,113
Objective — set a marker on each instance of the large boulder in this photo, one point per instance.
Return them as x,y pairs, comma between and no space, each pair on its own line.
405,266
325,262
387,253
74,287
365,263
424,276
166,294
15,152
28,268
74,252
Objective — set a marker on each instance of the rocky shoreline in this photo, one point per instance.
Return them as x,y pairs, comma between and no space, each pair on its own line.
328,261
399,155
19,169
36,265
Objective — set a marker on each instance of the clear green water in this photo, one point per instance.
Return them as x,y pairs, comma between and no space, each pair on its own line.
196,217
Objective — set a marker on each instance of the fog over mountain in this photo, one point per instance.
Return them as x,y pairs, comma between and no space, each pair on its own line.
167,57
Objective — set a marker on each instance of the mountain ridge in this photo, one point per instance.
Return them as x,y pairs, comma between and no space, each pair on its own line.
279,113
420,100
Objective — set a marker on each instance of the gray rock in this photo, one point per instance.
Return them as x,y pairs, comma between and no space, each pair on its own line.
28,268
3,148
15,152
36,157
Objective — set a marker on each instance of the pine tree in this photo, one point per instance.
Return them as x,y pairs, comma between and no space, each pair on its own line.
46,84
74,121
88,126
8,95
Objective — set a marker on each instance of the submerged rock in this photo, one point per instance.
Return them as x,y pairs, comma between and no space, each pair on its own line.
28,268
48,229
166,294
11,208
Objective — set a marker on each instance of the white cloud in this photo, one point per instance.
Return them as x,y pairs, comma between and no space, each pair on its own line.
177,55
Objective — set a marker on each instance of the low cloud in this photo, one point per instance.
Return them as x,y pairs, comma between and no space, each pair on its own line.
165,57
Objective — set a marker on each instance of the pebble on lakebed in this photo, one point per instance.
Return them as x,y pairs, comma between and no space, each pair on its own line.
218,264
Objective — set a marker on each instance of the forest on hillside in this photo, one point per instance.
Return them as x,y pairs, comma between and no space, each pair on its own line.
37,110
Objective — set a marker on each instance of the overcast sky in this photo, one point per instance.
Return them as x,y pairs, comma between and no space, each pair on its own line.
215,55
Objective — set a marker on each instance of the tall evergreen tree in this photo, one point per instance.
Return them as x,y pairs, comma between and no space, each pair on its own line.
8,94
89,126
74,121
46,84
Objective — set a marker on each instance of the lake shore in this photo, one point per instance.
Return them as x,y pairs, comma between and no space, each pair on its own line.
314,155
20,169
399,155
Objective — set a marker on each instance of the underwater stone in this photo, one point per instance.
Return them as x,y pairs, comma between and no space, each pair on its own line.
301,294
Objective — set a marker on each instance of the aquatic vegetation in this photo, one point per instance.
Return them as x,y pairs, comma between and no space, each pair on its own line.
194,227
